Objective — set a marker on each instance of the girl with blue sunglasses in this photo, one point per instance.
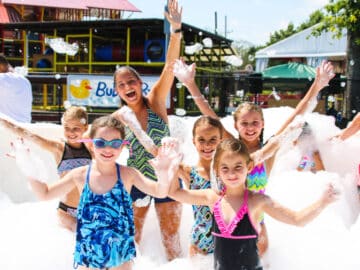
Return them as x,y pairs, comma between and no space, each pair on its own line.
105,235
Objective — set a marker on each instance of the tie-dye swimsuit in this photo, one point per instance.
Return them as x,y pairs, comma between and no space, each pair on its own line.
257,180
236,242
201,236
105,230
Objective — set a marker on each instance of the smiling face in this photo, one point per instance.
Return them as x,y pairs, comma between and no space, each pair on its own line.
107,153
74,130
231,163
232,170
206,139
128,86
249,124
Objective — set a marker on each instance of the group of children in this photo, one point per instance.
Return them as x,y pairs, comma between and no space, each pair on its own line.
226,187
226,220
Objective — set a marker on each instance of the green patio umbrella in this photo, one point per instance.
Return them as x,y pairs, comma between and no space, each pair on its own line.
290,70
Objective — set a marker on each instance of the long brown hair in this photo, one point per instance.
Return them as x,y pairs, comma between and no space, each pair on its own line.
131,70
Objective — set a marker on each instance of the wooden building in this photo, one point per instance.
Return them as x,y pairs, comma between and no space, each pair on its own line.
103,40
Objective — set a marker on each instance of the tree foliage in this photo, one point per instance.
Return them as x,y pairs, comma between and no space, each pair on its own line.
341,14
314,18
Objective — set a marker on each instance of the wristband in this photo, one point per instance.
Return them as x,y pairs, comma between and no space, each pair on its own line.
177,30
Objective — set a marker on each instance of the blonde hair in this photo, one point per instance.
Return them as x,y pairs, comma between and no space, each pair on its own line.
249,107
75,113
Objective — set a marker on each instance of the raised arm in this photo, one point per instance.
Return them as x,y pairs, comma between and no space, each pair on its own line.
351,129
128,118
55,147
161,89
186,75
196,197
324,73
302,217
268,151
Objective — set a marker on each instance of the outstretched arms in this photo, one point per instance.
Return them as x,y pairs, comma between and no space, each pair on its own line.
324,73
302,217
55,147
44,191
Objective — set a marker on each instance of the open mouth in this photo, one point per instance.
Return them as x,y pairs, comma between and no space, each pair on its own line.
131,94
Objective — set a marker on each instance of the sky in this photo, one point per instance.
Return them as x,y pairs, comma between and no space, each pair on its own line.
250,20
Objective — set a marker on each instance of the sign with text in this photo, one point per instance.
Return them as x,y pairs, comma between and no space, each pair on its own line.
98,90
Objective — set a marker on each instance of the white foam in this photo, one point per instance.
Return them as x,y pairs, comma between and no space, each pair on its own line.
31,238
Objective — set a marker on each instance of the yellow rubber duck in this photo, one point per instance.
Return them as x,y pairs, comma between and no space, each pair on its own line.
82,91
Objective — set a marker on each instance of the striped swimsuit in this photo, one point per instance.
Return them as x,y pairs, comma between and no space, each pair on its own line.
156,129
201,236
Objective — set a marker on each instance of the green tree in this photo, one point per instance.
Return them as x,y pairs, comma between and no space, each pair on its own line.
279,35
345,14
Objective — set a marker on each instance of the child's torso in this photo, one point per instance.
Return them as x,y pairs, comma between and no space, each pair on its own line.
201,235
236,241
105,232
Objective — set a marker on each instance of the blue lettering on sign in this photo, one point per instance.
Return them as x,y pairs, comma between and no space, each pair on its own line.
145,88
103,90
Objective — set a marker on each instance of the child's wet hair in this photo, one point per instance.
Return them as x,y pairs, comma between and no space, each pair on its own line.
131,70
75,113
250,107
208,120
109,122
232,145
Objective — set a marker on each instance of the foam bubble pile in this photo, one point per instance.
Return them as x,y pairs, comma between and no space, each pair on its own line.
31,238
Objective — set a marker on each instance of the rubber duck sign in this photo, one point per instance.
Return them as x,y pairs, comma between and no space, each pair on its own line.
98,91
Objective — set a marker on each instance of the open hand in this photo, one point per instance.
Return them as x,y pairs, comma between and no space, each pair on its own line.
174,14
324,73
167,160
183,72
